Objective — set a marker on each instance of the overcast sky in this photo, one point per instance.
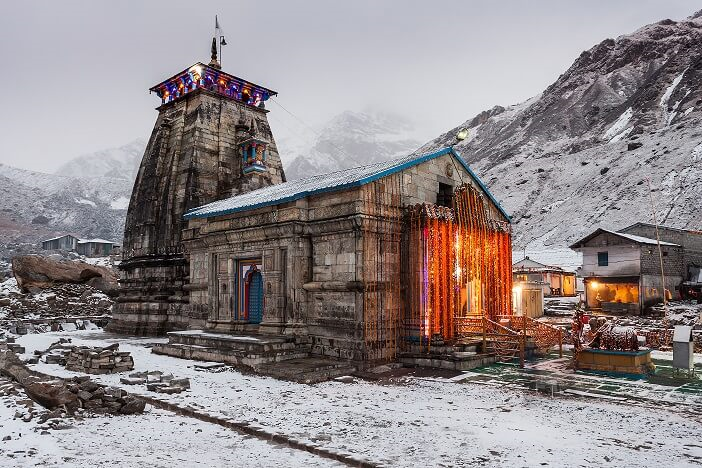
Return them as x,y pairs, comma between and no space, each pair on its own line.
77,74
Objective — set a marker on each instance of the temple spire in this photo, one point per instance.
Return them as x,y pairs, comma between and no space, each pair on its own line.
214,63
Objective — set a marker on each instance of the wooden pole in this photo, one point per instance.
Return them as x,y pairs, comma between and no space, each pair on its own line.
522,346
658,241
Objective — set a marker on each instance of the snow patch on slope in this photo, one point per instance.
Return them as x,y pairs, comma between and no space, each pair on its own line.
350,139
121,203
618,129
85,201
665,99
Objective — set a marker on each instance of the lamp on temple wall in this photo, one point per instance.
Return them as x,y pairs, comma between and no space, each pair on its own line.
461,135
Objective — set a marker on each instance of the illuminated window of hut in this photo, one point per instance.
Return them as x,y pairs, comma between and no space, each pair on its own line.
445,195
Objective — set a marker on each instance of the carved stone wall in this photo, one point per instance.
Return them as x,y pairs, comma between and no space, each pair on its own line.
312,251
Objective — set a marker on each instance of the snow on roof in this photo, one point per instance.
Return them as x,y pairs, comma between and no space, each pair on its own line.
325,183
94,241
642,240
59,237
631,237
526,264
666,228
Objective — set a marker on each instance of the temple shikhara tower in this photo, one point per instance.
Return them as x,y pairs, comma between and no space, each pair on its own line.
211,141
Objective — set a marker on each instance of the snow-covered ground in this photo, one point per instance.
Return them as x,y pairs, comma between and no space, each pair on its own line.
156,438
419,422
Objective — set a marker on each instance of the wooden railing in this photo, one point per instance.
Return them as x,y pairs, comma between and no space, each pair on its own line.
545,336
509,336
507,344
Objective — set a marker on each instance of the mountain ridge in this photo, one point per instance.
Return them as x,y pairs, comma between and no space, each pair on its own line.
582,150
349,139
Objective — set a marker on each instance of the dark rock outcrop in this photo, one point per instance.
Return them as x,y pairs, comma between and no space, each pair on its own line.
35,272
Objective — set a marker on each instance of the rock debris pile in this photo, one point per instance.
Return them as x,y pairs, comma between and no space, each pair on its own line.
90,360
60,307
98,398
107,360
72,396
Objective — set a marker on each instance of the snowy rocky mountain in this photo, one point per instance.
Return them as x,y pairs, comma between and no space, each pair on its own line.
87,196
36,206
578,155
347,140
117,163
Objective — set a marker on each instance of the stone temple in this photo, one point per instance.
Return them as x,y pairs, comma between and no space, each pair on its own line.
391,261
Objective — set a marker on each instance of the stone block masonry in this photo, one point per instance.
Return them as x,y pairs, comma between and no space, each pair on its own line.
98,360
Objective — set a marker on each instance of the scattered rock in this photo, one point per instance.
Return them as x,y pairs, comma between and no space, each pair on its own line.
345,379
133,406
132,381
633,145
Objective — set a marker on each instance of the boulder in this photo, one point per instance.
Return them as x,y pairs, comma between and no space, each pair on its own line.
34,273
50,395
133,406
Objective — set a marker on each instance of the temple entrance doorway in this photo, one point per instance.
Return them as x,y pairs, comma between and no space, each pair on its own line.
250,304
254,295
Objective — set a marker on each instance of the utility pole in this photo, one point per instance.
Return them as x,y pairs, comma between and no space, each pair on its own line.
658,241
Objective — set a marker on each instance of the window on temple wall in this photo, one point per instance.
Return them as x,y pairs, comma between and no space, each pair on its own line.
445,195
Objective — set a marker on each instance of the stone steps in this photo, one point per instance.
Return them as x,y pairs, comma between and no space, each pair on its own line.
281,357
236,357
308,370
257,344
459,361
240,350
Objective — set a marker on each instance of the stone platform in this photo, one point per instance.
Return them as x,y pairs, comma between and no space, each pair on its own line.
239,350
291,358
282,357
461,357
621,362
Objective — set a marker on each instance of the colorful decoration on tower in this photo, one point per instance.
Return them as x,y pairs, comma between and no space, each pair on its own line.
254,154
201,76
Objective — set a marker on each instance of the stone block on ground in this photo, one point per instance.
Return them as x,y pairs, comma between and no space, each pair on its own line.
132,381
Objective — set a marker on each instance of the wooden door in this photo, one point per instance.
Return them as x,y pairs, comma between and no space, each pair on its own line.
254,293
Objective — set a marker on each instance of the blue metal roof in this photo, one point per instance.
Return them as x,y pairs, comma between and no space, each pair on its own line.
325,183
